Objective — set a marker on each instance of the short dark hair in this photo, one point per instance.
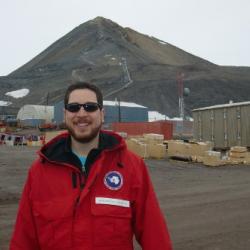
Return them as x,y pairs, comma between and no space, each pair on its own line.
84,85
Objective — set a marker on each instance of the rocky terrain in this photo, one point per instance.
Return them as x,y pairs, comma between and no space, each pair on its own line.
126,65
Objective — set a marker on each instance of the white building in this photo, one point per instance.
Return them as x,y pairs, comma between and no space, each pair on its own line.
36,112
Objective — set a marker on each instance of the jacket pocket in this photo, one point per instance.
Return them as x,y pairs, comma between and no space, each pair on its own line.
54,223
112,224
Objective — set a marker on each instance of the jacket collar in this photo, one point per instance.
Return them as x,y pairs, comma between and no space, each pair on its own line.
59,148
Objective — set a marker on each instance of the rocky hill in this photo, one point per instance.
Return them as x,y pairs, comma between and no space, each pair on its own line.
127,65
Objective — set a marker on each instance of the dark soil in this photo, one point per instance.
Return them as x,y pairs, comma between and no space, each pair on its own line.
206,208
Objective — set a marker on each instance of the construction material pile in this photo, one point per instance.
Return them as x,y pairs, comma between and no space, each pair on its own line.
148,146
239,155
203,152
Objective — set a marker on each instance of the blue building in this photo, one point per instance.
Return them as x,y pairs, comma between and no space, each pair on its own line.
124,112
114,112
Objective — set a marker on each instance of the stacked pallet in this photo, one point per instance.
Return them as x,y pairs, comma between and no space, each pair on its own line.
239,155
213,159
148,146
194,151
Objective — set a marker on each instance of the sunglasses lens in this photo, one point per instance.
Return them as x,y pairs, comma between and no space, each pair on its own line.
91,107
73,107
88,107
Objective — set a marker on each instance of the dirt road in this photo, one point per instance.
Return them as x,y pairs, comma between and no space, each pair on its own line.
206,208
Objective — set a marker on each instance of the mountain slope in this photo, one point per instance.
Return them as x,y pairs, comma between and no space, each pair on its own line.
103,52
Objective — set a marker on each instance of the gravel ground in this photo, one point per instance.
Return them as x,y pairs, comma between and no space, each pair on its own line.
206,208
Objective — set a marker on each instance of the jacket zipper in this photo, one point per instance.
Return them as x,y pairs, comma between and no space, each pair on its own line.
81,186
82,180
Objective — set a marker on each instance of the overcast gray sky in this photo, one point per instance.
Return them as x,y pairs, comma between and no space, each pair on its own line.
216,30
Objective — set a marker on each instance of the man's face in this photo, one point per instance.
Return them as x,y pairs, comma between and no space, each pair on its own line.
83,126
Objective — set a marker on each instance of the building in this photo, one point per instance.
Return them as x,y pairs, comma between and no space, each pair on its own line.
113,111
124,112
225,125
34,115
7,112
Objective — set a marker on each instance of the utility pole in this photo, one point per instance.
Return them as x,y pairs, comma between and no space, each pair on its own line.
180,95
118,103
46,102
119,110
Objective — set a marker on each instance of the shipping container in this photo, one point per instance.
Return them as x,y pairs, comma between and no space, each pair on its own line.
225,125
140,128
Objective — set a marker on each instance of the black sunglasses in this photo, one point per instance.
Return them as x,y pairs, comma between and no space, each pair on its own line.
88,107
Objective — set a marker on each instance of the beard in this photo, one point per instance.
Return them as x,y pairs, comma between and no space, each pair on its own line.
84,138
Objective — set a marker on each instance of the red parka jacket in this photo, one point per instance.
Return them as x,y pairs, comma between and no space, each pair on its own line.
60,208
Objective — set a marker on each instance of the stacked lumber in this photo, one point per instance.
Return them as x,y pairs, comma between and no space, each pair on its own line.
148,146
137,146
153,138
194,151
239,155
213,159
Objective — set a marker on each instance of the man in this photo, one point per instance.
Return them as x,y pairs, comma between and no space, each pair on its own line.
86,190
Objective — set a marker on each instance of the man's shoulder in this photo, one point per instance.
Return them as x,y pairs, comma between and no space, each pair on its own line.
133,160
37,163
